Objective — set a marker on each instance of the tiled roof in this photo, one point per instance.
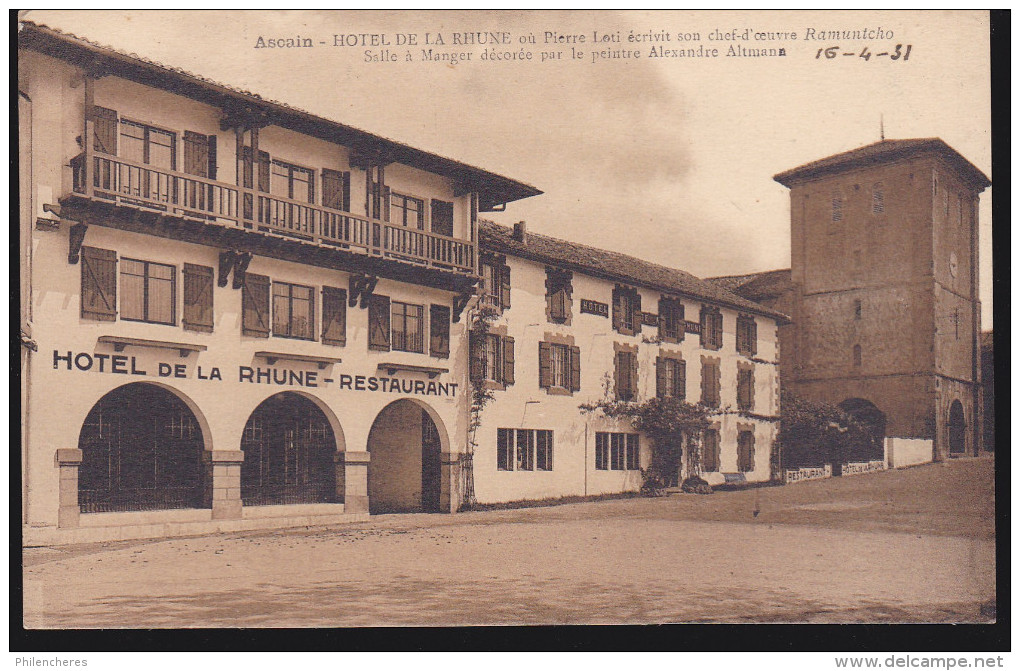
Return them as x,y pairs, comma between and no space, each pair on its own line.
84,52
883,152
613,266
756,286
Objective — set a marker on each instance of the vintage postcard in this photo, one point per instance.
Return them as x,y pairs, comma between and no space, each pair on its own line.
453,318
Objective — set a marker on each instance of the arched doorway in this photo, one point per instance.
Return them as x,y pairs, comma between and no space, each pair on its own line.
957,429
289,451
141,450
873,421
405,471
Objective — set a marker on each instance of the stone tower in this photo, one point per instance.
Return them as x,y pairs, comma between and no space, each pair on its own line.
884,283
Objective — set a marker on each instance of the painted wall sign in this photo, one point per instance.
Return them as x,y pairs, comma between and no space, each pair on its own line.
649,319
129,365
591,307
692,327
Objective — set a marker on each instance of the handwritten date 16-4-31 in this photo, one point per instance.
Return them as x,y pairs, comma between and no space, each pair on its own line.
866,53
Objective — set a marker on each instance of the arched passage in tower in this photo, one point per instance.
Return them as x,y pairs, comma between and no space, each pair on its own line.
406,471
141,448
957,429
874,421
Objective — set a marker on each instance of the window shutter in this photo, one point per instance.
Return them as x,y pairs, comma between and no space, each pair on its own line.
334,316
263,172
575,368
98,284
716,384
476,347
504,287
346,203
637,314
255,305
379,323
439,331
198,298
618,374
705,368
196,154
332,189
681,385
660,377
212,157
386,203
442,217
718,319
681,325
633,372
617,309
750,390
508,360
754,337
544,365
104,130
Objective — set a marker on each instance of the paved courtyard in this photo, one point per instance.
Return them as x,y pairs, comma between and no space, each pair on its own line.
906,546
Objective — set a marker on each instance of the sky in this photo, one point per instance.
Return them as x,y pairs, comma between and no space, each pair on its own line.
667,159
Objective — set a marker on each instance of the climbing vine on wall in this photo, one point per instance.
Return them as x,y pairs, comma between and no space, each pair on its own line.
481,318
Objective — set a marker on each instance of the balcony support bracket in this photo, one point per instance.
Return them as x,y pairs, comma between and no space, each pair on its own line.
236,261
75,239
361,286
460,302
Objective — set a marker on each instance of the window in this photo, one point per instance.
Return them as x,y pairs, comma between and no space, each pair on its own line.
439,331
857,356
407,211
670,377
524,449
148,145
857,308
671,320
837,209
711,328
544,450
495,286
293,311
147,292
334,316
745,451
617,451
406,327
710,382
504,449
559,356
747,335
877,199
292,181
559,367
626,376
104,136
626,310
198,298
98,284
558,291
745,389
710,451
492,359
442,217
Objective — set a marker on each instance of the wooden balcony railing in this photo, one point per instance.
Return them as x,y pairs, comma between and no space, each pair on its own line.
103,177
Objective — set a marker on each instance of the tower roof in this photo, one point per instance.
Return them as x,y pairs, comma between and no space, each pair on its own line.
886,151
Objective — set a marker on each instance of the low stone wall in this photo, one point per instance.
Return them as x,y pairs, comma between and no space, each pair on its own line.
791,475
901,452
858,467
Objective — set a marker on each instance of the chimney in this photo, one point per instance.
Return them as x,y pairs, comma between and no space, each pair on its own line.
521,232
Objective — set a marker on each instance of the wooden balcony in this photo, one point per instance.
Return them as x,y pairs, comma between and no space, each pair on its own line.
105,178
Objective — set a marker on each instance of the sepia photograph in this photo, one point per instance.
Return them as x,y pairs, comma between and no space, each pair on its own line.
360,319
